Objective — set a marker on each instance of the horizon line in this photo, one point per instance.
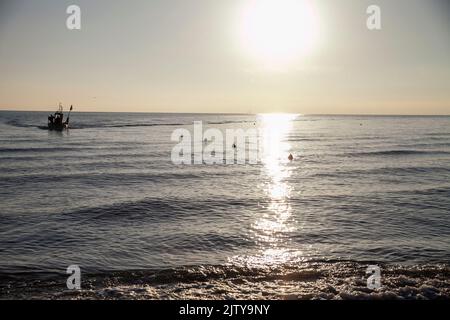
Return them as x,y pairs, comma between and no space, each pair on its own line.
246,113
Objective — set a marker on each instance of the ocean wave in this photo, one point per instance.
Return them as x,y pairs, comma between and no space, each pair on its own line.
129,125
438,134
97,179
340,280
397,153
78,126
231,121
62,149
159,209
18,124
99,125
432,191
392,171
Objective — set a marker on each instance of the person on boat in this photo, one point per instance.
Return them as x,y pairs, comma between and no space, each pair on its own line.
58,119
51,119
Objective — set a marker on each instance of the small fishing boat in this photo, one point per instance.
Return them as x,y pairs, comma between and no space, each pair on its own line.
56,121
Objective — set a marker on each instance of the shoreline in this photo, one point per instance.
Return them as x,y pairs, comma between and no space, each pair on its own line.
309,281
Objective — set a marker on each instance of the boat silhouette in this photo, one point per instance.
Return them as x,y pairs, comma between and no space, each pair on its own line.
56,121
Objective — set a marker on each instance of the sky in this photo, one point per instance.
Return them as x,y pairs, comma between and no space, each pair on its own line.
237,56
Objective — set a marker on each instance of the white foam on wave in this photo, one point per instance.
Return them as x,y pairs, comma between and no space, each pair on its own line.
329,281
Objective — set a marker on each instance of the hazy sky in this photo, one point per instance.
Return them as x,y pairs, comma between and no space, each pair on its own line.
196,56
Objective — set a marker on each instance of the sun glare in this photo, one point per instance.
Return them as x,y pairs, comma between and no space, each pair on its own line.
278,32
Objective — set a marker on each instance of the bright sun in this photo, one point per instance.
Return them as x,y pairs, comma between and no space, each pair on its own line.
278,32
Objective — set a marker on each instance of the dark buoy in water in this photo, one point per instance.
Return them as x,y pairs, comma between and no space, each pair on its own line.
234,145
291,157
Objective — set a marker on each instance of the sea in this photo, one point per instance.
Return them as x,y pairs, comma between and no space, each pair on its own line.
361,193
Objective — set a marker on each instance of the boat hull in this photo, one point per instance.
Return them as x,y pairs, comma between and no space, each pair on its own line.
54,127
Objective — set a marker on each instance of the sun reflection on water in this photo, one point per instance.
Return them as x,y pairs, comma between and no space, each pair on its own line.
273,226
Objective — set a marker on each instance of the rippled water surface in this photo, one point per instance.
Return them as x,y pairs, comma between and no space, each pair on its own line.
106,196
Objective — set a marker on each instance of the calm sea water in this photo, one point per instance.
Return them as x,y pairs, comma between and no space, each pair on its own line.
105,195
